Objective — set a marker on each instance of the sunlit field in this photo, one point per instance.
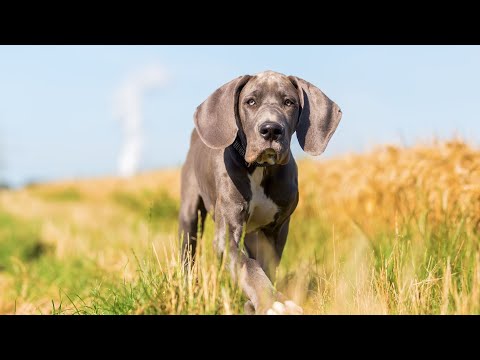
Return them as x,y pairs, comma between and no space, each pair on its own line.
392,231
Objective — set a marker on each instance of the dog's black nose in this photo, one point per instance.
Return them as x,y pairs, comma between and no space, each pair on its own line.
271,130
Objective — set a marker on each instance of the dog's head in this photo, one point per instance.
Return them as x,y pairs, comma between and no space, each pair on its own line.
265,110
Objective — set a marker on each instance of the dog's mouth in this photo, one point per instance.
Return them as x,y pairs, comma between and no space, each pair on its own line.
274,154
268,156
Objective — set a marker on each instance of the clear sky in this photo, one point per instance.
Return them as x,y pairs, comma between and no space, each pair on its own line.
56,116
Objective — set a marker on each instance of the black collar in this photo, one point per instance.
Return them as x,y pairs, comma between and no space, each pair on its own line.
237,145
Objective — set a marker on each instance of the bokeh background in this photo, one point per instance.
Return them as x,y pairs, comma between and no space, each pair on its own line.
83,111
91,143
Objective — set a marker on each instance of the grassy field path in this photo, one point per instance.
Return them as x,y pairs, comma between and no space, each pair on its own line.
392,231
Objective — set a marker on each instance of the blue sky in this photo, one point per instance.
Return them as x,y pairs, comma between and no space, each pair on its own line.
56,116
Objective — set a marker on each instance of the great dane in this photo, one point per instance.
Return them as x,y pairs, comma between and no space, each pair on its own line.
240,169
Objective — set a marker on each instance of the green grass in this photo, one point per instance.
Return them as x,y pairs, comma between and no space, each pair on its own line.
155,206
35,270
363,240
406,273
17,240
64,195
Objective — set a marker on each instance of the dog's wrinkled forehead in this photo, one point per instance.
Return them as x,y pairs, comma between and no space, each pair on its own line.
269,82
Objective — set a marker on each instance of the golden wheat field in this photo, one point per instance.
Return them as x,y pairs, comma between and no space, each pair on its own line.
392,231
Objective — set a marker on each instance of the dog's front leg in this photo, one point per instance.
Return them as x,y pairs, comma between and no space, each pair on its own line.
246,271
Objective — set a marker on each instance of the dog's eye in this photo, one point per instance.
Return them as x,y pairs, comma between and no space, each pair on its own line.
251,102
288,102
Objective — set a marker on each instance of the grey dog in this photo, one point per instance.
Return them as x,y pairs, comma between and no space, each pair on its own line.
240,169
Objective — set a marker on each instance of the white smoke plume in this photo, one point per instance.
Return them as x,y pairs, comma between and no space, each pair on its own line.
128,109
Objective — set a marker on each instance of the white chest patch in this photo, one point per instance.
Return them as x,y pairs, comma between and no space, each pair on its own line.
261,209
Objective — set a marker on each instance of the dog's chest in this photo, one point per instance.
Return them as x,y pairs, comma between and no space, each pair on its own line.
261,209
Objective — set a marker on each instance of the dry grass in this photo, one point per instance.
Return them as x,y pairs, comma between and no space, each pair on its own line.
394,231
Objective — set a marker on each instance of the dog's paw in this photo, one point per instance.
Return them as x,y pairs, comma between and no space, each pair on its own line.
287,308
249,308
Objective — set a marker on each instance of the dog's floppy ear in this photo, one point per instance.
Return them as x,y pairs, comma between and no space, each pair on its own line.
216,118
319,117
